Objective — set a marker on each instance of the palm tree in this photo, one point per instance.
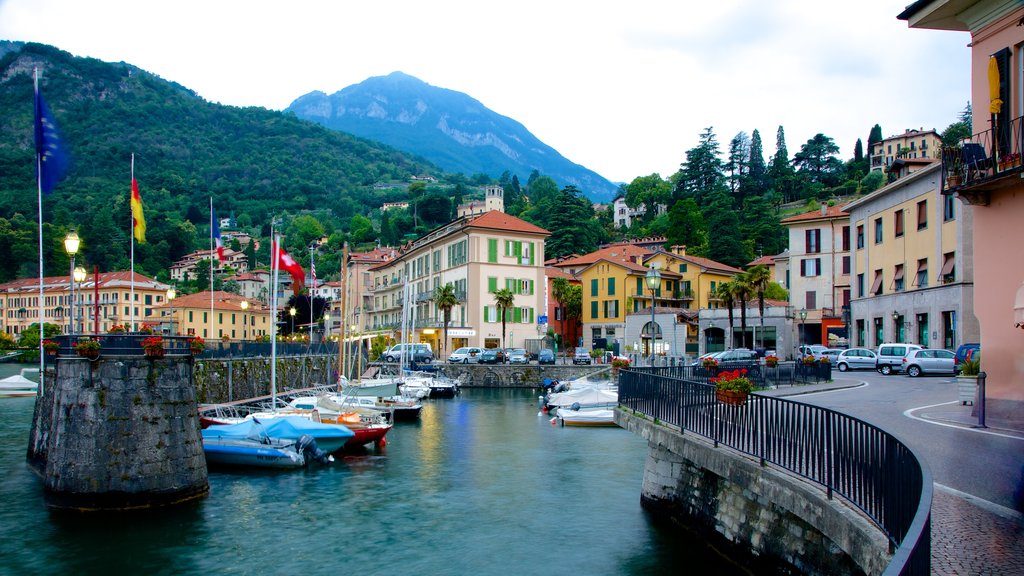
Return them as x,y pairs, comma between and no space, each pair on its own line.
570,296
759,277
504,299
741,291
445,299
724,293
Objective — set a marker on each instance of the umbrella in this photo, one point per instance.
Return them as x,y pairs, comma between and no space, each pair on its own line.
995,104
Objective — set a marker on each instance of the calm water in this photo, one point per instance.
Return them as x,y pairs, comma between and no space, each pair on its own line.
483,485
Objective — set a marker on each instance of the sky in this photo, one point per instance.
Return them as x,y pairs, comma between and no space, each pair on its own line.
622,88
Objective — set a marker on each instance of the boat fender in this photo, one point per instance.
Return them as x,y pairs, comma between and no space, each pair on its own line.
307,446
575,406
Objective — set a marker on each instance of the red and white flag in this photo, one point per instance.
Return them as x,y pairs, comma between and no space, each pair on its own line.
290,265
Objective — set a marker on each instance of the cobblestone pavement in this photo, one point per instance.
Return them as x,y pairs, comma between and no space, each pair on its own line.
969,540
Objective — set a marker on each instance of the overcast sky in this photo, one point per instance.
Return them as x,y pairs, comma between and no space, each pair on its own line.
623,88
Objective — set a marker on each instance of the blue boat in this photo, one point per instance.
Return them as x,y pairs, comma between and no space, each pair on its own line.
329,437
252,453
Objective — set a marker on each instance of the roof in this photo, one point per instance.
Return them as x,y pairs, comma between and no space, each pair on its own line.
613,253
221,301
108,280
700,261
766,260
506,223
553,272
830,213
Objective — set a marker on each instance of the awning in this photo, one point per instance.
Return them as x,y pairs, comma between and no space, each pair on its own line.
922,265
947,266
876,285
899,273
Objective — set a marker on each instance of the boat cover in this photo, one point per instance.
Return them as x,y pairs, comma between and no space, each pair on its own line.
584,397
284,427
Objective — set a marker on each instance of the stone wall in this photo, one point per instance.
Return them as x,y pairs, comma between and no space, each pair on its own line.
776,521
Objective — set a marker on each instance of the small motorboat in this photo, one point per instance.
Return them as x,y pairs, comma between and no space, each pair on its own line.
329,437
584,398
586,417
18,385
225,445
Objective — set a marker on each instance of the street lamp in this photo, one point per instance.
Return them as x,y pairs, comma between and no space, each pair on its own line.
327,326
171,294
80,275
653,279
803,316
245,319
292,311
71,244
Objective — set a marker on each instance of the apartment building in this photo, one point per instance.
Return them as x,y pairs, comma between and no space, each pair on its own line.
912,144
106,297
991,189
254,285
624,215
186,267
233,316
913,266
820,269
494,199
477,255
570,330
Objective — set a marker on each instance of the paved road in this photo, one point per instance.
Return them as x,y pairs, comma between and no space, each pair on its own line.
977,524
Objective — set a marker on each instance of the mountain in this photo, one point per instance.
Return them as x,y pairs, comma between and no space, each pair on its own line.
449,128
251,161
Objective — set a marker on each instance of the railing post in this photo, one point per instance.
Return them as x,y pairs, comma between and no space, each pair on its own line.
981,399
830,449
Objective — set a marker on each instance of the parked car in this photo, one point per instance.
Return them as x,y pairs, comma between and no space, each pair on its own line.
465,355
737,355
811,350
856,359
929,361
831,353
420,353
519,356
890,356
702,357
492,356
966,352
546,356
581,356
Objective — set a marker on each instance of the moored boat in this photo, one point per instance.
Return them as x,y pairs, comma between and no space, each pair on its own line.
18,385
586,417
329,437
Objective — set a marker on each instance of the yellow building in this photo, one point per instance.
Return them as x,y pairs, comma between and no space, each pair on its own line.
912,144
688,281
189,315
106,297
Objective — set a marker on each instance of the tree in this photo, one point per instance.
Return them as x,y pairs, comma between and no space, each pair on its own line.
739,155
29,337
687,227
571,220
741,291
701,174
504,299
874,137
649,192
724,293
780,173
570,296
445,299
959,130
817,160
724,235
759,277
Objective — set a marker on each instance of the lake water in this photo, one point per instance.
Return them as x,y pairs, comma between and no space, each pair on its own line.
483,485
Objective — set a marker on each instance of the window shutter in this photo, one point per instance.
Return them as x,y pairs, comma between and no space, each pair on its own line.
531,253
492,284
817,266
611,286
803,267
517,316
492,250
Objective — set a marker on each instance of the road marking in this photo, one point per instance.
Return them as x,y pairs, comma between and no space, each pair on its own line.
909,413
997,509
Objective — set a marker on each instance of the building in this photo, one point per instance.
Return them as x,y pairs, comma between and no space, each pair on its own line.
477,255
570,330
819,273
912,265
494,199
254,285
779,336
624,215
991,188
186,267
189,315
912,144
106,299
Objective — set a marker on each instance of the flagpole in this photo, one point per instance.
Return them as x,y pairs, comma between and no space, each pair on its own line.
39,199
211,266
276,249
312,268
131,304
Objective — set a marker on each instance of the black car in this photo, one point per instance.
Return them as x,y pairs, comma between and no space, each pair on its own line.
492,356
546,356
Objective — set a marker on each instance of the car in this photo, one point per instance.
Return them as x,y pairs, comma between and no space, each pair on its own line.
518,356
856,359
929,361
812,350
890,356
737,355
581,356
492,356
700,359
966,352
420,353
466,355
546,356
831,353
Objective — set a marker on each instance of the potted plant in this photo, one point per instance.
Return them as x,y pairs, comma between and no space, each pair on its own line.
809,360
771,361
197,345
117,329
619,362
1008,161
733,387
709,364
153,347
953,164
88,348
50,347
967,379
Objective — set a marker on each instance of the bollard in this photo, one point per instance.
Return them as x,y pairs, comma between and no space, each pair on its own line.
981,400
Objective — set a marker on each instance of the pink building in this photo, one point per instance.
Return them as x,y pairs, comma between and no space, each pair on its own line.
985,172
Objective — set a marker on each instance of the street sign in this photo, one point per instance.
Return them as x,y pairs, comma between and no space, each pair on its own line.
542,319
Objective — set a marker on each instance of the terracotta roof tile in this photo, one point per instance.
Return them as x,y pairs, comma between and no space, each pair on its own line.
831,212
498,220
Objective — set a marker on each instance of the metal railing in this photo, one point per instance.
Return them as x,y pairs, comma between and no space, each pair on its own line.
763,376
988,155
122,344
861,462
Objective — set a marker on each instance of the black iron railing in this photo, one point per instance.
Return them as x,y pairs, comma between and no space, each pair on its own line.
122,344
858,461
763,376
988,155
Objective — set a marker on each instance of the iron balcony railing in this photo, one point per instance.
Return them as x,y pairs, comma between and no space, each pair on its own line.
985,156
862,463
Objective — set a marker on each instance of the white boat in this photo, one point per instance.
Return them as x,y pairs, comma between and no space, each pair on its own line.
385,386
19,385
283,426
583,398
586,417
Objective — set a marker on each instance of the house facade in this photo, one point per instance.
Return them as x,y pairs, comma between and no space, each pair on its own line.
912,144
993,190
190,315
186,267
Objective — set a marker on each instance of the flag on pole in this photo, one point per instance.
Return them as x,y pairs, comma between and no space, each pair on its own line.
312,268
138,219
54,159
216,235
291,266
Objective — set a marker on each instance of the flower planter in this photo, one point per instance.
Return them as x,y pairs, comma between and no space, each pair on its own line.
967,389
731,397
90,354
155,353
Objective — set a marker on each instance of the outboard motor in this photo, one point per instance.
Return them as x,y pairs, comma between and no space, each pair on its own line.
311,452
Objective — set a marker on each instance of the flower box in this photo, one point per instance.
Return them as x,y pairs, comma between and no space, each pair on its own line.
88,348
731,397
153,347
732,387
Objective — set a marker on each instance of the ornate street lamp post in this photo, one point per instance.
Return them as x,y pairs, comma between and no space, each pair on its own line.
803,316
653,279
245,320
80,276
71,244
292,312
171,294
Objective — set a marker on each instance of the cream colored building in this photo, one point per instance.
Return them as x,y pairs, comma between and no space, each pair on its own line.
108,300
494,199
477,255
914,144
186,267
189,315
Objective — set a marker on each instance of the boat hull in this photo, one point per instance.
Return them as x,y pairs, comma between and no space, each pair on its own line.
587,418
248,453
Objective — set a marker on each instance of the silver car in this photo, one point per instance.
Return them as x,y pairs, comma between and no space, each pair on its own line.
518,356
856,359
466,355
929,361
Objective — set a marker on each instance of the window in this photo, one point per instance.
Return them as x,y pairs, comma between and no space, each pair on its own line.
639,286
611,286
846,238
860,333
846,264
593,308
948,272
860,285
860,236
922,329
948,208
492,284
492,250
812,239
593,287
811,299
898,223
810,267
682,268
897,278
878,230
922,214
876,284
879,332
922,273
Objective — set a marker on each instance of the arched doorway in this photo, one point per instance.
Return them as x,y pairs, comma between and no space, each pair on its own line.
714,339
650,334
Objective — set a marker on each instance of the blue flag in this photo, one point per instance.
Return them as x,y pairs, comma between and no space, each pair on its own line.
54,159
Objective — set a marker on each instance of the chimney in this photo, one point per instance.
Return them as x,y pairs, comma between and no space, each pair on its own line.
679,249
824,210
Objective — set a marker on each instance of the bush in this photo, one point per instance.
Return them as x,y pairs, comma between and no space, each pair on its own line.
971,366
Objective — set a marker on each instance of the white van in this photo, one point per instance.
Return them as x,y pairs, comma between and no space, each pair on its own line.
890,356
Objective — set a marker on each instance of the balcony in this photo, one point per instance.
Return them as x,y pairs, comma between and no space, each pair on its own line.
983,163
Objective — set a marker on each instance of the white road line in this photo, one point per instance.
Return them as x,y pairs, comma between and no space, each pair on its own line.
909,413
999,510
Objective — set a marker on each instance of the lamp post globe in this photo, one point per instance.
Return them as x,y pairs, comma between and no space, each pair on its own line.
653,279
71,244
171,295
803,316
79,276
292,311
245,319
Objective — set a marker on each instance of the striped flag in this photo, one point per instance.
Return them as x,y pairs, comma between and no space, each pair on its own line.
312,268
215,232
138,219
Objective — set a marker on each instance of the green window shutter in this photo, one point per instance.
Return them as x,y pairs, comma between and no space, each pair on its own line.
486,319
593,308
531,253
531,287
517,316
517,251
639,286
492,250
530,311
492,284
593,287
611,286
